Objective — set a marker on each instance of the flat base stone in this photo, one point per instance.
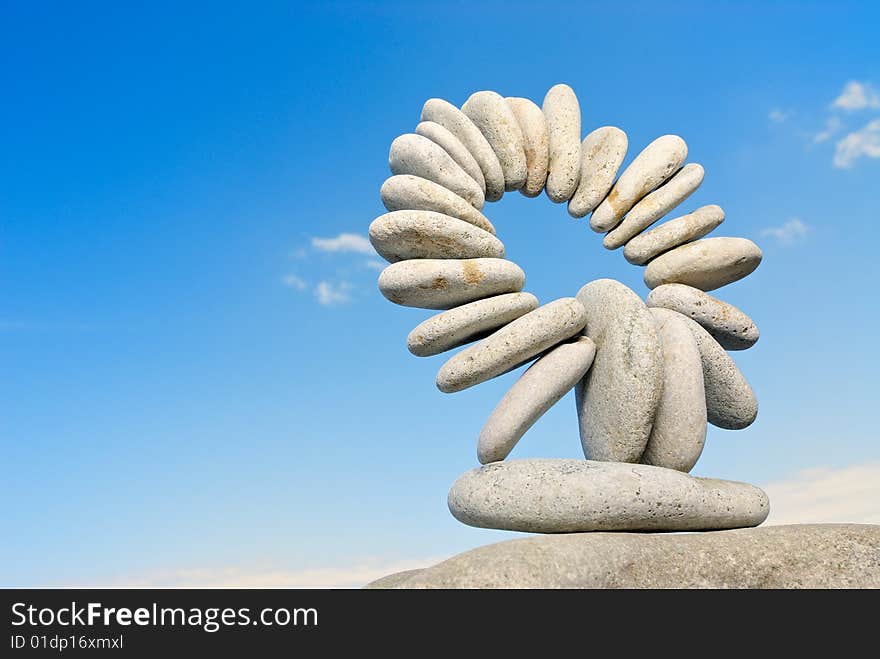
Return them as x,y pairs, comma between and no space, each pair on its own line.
795,556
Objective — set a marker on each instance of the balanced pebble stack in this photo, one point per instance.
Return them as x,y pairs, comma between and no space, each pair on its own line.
648,375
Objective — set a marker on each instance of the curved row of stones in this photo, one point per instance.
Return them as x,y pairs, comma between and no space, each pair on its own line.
648,376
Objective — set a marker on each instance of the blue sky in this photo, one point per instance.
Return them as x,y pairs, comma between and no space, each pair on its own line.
200,375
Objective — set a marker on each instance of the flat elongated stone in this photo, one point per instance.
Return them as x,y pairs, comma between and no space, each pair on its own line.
419,156
706,264
730,402
407,192
447,283
540,388
655,164
467,323
602,153
728,325
563,114
409,234
453,146
679,429
456,122
646,246
493,116
793,556
512,345
618,398
536,144
571,496
655,205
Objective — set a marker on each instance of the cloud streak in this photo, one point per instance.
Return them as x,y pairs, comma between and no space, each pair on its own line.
827,496
788,233
329,294
778,116
295,282
857,96
344,242
864,143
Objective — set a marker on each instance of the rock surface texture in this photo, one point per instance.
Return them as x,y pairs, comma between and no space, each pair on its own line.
796,556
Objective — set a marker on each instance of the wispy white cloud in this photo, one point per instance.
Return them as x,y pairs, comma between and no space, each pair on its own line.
857,96
344,242
329,294
266,576
861,143
375,264
789,232
294,282
824,495
779,116
832,126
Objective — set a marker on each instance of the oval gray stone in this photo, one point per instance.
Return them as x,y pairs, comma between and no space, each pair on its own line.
536,143
655,205
456,122
571,496
512,345
407,192
493,116
409,234
706,264
453,146
618,398
655,164
730,401
733,329
467,323
542,386
447,283
602,153
793,556
419,156
563,114
646,246
679,429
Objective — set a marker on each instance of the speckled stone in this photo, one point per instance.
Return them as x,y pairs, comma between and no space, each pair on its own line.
572,496
733,329
654,165
706,264
655,205
409,234
646,246
563,114
453,146
730,402
493,116
419,156
456,122
447,283
795,556
467,323
536,143
512,345
408,192
618,398
602,153
679,429
540,388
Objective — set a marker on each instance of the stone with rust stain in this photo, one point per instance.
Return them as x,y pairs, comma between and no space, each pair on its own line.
733,329
602,153
448,283
512,345
412,234
654,165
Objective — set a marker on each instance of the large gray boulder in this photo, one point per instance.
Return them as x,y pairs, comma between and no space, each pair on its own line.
796,556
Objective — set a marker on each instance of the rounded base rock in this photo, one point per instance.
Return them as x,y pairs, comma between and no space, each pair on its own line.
796,556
